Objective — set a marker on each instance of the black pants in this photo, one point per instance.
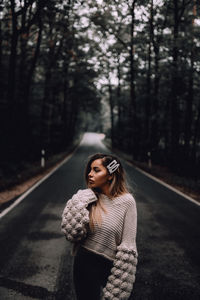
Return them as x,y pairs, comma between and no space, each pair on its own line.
90,273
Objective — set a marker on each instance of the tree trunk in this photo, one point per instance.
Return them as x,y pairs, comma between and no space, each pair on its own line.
119,109
12,124
133,143
46,110
111,111
12,65
174,112
66,104
33,65
1,73
188,113
155,106
132,71
47,105
196,138
148,97
0,48
154,137
23,57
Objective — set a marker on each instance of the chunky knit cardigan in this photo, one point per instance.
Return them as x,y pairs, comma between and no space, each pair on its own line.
115,239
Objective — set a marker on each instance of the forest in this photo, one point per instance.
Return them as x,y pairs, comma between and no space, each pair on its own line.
127,68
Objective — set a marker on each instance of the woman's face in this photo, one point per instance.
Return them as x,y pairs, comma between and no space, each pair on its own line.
98,176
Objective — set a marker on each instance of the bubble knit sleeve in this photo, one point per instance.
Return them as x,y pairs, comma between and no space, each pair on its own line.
75,216
120,282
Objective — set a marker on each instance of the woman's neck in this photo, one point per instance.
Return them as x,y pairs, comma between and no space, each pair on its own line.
105,190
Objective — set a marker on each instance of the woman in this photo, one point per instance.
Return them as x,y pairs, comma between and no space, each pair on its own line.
102,221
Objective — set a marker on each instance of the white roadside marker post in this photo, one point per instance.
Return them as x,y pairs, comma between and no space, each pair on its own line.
43,158
149,159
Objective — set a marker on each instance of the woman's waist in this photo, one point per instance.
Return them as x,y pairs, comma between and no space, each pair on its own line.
100,248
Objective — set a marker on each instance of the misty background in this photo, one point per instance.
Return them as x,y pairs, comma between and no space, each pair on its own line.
128,69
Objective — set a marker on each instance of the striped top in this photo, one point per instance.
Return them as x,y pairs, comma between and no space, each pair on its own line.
118,226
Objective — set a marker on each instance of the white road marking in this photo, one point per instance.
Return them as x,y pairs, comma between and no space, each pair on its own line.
18,200
165,184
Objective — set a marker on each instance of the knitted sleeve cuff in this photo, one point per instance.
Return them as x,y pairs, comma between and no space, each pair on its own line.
120,282
86,196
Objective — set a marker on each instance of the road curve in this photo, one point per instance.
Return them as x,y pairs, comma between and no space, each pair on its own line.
35,260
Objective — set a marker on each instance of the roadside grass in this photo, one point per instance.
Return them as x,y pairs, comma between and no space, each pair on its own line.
26,174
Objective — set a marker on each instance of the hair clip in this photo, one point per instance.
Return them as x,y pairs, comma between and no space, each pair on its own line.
113,166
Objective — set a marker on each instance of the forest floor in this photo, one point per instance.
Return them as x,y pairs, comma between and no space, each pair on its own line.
186,185
13,186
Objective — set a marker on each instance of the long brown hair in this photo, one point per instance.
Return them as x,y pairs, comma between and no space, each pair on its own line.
117,187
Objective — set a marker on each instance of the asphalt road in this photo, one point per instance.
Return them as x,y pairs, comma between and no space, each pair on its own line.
35,260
